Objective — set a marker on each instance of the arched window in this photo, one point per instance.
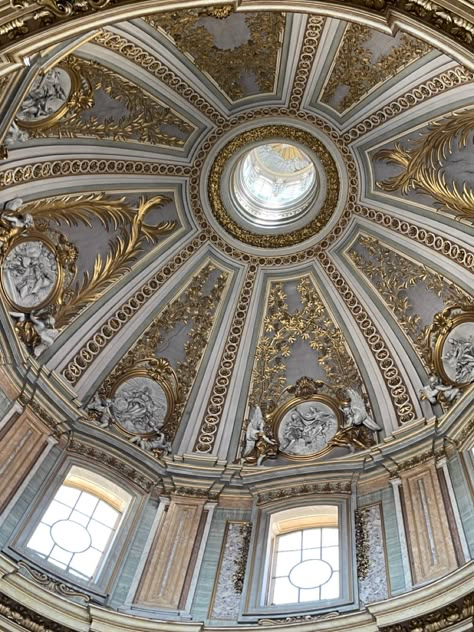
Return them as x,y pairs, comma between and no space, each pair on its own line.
304,560
78,528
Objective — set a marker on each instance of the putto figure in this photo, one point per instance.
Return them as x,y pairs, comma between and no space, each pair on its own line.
258,446
13,224
436,391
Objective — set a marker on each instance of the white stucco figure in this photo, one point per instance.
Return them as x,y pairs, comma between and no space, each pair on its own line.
102,406
154,444
15,135
257,445
355,412
435,389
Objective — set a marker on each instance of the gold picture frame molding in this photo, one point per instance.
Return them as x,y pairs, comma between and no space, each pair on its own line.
466,317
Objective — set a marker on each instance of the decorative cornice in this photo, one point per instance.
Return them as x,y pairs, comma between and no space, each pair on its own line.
58,427
26,619
124,469
442,619
26,20
329,487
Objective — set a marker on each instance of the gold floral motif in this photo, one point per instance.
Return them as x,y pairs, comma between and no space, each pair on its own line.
282,328
355,69
195,306
273,240
144,121
394,381
393,275
257,57
423,163
128,49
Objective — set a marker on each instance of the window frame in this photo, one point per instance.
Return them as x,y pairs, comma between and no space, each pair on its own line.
254,604
106,573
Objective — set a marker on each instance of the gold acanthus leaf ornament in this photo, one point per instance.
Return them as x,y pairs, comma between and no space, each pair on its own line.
146,119
282,328
423,164
123,250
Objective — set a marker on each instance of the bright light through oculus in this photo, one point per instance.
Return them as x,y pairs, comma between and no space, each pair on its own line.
274,183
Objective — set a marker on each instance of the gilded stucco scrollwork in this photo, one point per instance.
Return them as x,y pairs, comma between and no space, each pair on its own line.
423,164
358,69
40,276
396,278
156,67
282,328
143,118
193,312
255,54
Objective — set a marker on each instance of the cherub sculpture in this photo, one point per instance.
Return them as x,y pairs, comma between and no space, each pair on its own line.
435,391
38,330
103,407
12,223
158,444
258,446
359,429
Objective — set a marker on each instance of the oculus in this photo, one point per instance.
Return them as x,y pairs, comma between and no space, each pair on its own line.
30,274
273,186
48,99
274,183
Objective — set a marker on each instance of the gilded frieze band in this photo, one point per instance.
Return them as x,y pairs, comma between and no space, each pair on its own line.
314,28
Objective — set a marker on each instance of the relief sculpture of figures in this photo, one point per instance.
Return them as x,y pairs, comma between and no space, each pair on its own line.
47,94
306,428
30,273
140,406
12,223
459,359
258,446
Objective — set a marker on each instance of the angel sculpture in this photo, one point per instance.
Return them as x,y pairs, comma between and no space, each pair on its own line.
258,445
38,331
359,429
435,390
157,444
12,223
102,406
15,135
356,413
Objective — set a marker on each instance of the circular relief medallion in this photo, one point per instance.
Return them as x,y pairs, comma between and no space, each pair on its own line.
457,354
310,574
306,428
71,536
140,405
30,274
265,186
47,98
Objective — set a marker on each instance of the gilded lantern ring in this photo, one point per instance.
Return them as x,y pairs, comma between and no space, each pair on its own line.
278,156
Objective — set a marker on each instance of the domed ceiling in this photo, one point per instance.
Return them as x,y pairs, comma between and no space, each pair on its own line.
153,252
